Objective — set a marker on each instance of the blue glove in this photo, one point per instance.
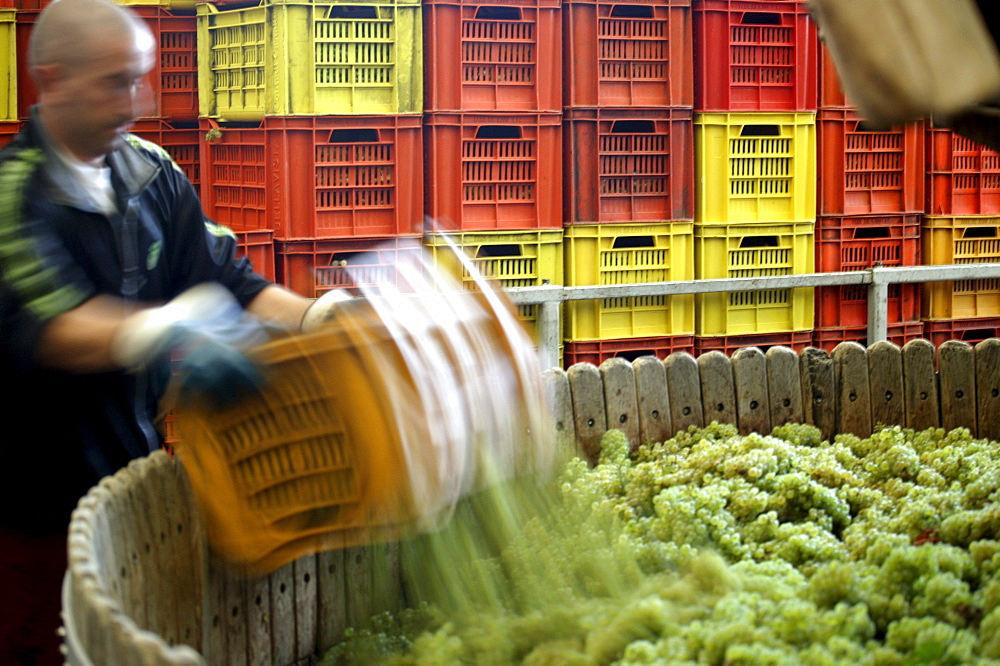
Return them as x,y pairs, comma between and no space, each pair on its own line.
204,330
213,371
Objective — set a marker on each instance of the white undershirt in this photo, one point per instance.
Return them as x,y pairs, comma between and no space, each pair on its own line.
95,179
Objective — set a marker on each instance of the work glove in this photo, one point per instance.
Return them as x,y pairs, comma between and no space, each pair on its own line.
323,309
204,331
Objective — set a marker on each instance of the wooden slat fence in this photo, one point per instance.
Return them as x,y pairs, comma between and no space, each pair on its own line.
143,588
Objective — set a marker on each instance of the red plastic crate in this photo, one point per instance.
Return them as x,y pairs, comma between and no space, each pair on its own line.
898,333
754,56
314,267
182,141
857,244
969,330
831,92
963,177
631,53
727,344
8,130
482,56
862,172
494,171
628,165
315,177
258,247
173,81
598,351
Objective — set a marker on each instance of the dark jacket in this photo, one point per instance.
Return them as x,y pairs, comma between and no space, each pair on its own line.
62,432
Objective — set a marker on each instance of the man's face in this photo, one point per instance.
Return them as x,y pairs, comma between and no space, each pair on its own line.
92,102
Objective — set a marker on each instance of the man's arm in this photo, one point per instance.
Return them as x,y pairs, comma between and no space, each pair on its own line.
280,306
80,340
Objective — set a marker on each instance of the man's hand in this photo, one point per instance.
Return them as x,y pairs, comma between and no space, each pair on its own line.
205,331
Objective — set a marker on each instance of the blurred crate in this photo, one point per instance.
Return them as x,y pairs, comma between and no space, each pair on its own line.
515,259
862,171
173,82
625,253
632,53
314,267
8,130
598,351
9,64
968,330
755,167
291,57
315,177
258,247
627,165
489,172
728,344
858,243
182,141
963,177
754,56
899,334
961,240
753,250
481,56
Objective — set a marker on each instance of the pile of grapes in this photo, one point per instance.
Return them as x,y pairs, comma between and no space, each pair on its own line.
716,548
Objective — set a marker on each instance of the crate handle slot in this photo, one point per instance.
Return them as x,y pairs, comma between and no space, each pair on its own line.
358,135
498,132
759,241
976,334
979,232
760,18
760,130
630,242
866,126
489,13
502,250
633,354
353,259
631,11
864,233
633,127
353,12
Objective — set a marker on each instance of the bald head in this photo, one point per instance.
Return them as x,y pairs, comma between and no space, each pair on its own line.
68,31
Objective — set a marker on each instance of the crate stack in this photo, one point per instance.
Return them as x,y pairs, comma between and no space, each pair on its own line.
755,143
310,113
961,225
10,123
493,139
870,206
628,159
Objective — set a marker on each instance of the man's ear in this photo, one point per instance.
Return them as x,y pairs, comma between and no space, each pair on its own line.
46,77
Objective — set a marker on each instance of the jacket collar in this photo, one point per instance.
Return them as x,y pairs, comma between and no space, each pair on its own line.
131,170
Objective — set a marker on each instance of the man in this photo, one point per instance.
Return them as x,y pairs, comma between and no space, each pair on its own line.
104,259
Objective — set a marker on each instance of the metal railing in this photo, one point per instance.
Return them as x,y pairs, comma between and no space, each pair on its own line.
549,296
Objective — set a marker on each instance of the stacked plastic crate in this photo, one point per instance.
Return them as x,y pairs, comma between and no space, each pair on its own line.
961,225
310,115
755,140
629,157
9,121
493,139
870,204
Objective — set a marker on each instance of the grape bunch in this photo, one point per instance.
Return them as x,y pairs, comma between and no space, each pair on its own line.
716,548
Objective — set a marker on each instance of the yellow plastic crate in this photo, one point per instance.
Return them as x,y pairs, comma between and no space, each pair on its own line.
620,254
286,58
514,258
754,250
755,167
172,5
961,240
8,65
